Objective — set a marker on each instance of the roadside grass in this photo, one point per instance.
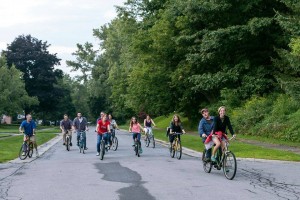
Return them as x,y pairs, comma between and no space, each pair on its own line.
240,149
4,135
14,128
10,146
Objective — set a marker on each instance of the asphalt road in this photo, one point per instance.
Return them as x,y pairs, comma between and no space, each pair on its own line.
59,174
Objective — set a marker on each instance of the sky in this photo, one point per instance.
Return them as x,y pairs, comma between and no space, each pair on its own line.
62,23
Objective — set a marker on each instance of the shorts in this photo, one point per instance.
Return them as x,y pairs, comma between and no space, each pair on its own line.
32,138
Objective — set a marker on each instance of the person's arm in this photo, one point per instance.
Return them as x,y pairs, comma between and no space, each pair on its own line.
21,128
108,128
200,129
142,129
153,122
61,126
182,129
171,128
86,124
33,128
116,125
230,127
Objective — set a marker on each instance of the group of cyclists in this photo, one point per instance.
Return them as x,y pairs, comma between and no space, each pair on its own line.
211,129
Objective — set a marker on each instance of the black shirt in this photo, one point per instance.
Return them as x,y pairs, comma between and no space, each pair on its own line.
220,125
177,129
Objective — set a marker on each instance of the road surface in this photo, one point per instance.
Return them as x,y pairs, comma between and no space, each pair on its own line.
59,175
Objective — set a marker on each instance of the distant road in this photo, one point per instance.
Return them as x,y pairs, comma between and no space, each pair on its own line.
61,175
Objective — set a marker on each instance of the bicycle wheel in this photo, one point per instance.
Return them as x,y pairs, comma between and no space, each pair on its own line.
172,150
207,166
229,165
138,149
102,150
178,150
23,152
30,150
153,142
115,143
68,144
147,142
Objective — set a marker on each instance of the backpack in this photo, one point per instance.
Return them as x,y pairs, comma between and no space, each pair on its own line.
168,131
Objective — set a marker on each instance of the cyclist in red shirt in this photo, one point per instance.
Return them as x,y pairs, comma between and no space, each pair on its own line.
103,129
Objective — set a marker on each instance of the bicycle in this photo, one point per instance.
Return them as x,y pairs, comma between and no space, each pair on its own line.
68,140
149,137
137,147
103,149
81,142
225,160
26,149
114,140
176,147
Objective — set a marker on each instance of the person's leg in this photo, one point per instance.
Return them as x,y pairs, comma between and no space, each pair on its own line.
218,143
33,139
105,137
64,137
134,135
109,138
99,137
78,137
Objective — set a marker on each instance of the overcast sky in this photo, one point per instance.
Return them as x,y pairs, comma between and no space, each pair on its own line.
62,23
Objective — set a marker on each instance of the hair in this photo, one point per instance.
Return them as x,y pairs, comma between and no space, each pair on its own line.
131,121
221,108
203,110
173,121
65,115
110,115
102,112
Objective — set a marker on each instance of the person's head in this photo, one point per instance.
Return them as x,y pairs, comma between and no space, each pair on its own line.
79,115
222,111
66,117
110,117
28,117
104,117
101,114
133,121
176,119
205,113
148,117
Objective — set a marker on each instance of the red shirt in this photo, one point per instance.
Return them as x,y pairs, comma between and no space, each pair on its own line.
102,127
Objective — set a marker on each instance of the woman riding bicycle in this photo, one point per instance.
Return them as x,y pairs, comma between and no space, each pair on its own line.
103,129
219,135
148,125
175,127
113,125
135,128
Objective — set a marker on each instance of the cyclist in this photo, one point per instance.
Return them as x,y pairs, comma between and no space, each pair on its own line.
148,125
113,126
135,128
29,127
80,124
103,129
66,128
205,128
175,127
219,135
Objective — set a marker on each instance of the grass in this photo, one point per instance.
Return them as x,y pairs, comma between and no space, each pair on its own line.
10,146
4,135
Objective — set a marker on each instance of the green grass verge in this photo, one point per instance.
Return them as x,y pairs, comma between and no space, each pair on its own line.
4,135
10,146
240,149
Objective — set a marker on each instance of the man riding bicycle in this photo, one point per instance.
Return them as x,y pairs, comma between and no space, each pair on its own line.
66,128
205,128
80,125
29,127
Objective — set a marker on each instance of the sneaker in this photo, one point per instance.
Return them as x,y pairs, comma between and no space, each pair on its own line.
23,154
213,159
37,154
85,148
98,154
64,143
70,143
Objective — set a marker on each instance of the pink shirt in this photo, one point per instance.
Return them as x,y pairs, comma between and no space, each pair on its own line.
135,128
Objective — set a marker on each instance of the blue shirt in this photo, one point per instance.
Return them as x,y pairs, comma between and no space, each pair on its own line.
205,127
28,127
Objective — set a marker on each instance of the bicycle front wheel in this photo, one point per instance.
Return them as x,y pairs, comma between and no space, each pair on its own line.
102,149
153,142
178,150
23,151
207,166
68,144
229,165
147,142
115,143
30,150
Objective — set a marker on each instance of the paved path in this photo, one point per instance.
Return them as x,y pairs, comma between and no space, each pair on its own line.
59,174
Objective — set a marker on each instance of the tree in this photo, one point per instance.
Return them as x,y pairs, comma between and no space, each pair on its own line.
31,56
13,96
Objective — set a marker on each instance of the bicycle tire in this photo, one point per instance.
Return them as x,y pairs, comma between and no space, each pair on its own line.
68,144
23,157
172,151
138,149
147,142
115,144
102,150
207,166
178,150
229,171
30,149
